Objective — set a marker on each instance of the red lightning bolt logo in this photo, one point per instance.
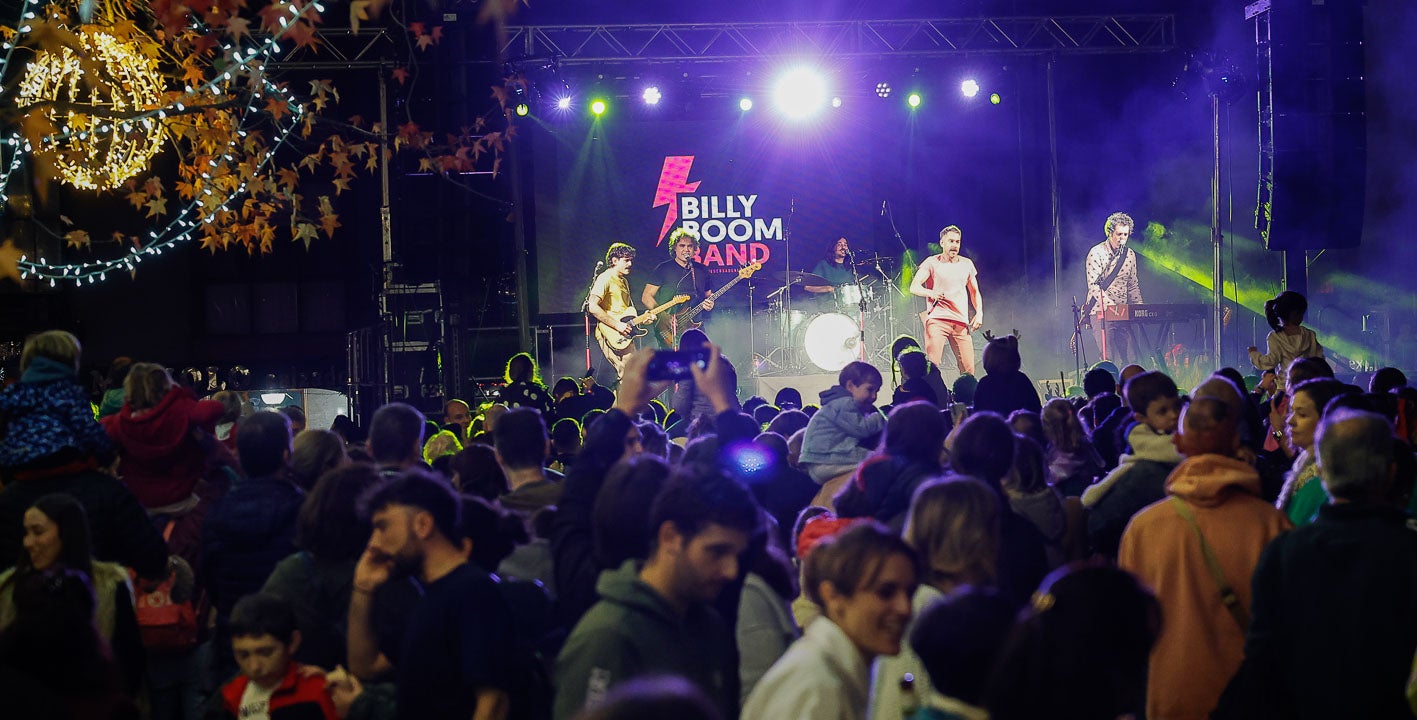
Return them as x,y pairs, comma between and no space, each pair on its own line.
673,180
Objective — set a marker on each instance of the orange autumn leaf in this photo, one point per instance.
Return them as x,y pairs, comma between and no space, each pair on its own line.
328,223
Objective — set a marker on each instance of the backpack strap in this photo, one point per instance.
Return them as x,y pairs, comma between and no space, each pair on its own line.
1228,597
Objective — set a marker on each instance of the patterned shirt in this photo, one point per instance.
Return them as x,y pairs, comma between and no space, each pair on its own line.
1124,288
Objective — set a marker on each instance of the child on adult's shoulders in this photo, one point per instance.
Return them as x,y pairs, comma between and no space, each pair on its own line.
842,433
1140,476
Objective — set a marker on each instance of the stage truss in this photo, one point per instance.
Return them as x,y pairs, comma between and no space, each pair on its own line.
868,39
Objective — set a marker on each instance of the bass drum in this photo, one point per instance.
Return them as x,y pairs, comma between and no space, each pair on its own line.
830,340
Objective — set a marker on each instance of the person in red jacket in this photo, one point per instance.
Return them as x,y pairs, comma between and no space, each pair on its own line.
271,684
160,457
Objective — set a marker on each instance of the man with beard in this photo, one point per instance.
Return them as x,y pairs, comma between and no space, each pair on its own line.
453,660
656,617
950,283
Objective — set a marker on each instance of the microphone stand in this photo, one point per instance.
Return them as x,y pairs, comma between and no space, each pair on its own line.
1078,353
860,308
585,311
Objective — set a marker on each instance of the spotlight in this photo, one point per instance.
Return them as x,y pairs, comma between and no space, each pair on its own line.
913,100
969,87
836,102
995,98
563,102
597,107
651,95
883,89
800,93
523,109
745,104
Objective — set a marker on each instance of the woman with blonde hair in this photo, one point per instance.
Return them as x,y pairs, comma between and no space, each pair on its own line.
313,453
954,526
1072,460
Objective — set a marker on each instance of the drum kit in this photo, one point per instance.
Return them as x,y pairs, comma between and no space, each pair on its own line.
813,332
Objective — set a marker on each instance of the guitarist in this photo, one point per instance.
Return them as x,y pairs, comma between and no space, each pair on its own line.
1112,280
610,301
679,275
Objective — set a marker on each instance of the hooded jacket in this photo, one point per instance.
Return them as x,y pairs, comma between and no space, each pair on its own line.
634,631
1139,480
835,432
160,460
246,534
1201,644
46,412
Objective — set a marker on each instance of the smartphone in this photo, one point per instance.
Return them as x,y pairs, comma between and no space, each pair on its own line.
674,364
959,411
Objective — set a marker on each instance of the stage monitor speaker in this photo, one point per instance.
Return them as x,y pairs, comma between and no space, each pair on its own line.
1319,125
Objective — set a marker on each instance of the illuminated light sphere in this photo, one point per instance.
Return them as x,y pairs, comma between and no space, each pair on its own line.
93,158
800,93
523,109
597,107
651,95
563,103
969,87
836,102
883,89
995,98
745,104
913,100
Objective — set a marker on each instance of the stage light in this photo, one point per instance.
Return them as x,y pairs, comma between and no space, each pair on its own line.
523,109
800,93
745,104
651,95
995,98
883,89
563,102
969,87
913,100
836,102
597,107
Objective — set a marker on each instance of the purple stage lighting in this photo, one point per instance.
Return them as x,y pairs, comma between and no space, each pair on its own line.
969,87
800,93
563,103
745,104
651,95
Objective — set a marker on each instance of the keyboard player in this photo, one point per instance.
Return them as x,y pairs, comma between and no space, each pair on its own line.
1112,280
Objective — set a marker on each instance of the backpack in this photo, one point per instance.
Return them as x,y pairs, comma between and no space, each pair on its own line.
167,620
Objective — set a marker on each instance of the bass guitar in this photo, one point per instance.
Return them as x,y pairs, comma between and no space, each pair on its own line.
619,341
669,327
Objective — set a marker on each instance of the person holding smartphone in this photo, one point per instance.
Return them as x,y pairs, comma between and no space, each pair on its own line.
689,401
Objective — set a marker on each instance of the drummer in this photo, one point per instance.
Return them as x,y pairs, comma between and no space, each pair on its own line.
836,269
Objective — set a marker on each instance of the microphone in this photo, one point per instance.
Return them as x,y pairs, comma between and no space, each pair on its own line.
883,208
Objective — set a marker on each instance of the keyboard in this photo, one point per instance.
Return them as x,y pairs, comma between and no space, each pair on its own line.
1157,312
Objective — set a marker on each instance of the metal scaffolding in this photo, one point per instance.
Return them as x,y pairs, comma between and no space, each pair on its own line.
340,49
881,39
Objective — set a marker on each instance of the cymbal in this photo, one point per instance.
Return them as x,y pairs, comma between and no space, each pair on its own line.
882,259
806,278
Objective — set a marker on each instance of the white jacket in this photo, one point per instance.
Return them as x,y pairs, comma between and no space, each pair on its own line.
823,676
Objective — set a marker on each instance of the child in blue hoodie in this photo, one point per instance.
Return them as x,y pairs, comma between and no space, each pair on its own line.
833,443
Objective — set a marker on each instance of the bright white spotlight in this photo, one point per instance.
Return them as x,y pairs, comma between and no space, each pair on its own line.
836,102
745,104
800,93
563,102
969,87
883,89
651,95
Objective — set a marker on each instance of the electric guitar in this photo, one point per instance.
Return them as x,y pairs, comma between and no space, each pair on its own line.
619,341
669,327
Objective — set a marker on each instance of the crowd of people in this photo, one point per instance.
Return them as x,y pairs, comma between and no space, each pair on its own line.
1243,549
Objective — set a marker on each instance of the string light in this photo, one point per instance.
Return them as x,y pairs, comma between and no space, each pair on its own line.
109,158
180,228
